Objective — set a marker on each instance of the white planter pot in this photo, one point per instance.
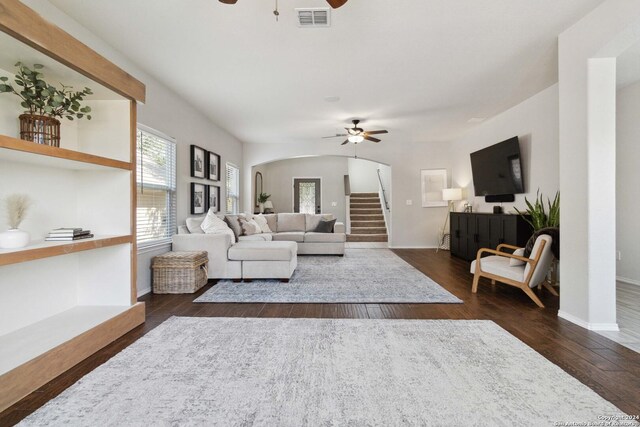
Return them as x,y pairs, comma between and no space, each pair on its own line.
14,238
261,207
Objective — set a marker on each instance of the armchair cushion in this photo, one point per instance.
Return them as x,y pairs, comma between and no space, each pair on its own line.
554,232
546,257
499,266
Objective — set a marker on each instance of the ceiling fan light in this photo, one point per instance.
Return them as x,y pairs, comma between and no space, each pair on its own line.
356,139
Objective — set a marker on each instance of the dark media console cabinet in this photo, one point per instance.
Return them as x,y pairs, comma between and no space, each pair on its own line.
472,231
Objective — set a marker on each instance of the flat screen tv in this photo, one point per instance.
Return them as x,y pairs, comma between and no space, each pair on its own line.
497,170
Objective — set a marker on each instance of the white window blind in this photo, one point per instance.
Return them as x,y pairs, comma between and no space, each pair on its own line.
156,189
233,189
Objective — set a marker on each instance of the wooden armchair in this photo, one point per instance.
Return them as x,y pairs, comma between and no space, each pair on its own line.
532,273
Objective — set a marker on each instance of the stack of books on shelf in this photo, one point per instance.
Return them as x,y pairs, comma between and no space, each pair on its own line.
68,234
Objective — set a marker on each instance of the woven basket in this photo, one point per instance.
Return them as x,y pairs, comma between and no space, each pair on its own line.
179,272
40,129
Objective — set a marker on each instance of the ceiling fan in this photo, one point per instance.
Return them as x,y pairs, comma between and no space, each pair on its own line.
333,3
356,134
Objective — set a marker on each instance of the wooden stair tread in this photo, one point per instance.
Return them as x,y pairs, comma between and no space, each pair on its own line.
364,195
367,238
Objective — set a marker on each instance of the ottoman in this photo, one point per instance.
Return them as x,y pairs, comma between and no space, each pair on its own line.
265,260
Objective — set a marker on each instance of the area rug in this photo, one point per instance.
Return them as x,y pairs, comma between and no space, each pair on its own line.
361,276
325,372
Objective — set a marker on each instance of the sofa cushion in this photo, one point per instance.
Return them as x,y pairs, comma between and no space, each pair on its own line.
262,223
182,229
312,220
272,222
263,251
289,236
325,226
262,237
194,225
290,222
313,237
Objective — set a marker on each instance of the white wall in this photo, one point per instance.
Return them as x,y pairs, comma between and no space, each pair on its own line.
412,225
363,176
587,91
166,112
627,179
535,123
278,179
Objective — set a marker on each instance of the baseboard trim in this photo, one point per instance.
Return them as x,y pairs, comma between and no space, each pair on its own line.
611,327
628,281
144,291
413,247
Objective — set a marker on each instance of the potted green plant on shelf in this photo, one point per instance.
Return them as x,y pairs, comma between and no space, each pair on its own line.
17,206
44,104
262,199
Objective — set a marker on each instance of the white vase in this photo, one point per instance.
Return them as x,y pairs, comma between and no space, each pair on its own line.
261,207
14,238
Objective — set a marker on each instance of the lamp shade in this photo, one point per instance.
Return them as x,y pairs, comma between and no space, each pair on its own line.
268,204
452,194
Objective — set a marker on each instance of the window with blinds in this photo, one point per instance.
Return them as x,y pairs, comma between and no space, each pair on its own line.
233,189
156,189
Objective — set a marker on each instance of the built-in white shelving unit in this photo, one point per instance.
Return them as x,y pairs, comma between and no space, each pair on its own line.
62,301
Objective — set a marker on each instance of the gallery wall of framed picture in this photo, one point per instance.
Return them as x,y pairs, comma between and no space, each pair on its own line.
204,165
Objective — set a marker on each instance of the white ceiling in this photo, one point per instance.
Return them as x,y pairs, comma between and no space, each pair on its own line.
420,68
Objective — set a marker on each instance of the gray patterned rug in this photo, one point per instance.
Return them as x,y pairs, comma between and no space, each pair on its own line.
361,276
325,372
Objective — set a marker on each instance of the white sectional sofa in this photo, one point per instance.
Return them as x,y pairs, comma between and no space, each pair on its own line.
287,227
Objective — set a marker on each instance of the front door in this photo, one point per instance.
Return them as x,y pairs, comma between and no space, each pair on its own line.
306,195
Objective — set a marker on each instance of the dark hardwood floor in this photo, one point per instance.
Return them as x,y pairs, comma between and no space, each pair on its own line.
610,369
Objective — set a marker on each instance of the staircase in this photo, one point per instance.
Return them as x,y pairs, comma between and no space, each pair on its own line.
367,220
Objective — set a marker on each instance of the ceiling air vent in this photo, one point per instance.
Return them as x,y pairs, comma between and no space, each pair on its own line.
314,17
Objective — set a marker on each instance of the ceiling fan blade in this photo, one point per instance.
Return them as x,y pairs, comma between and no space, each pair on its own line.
372,139
336,3
228,1
346,142
376,132
335,136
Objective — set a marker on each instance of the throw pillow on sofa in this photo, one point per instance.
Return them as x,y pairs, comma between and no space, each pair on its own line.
262,223
249,226
325,226
312,220
214,225
234,224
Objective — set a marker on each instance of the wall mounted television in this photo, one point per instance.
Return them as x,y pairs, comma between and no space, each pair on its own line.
497,169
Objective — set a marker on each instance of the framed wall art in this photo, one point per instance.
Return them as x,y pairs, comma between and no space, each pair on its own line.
198,199
213,166
213,198
433,182
198,165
